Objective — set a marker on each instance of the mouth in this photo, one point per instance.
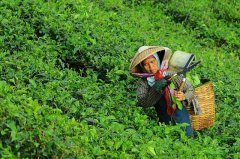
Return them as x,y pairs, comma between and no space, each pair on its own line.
153,71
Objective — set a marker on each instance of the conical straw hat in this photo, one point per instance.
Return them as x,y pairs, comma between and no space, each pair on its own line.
142,53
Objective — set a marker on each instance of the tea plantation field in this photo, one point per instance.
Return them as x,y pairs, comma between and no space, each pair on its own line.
65,89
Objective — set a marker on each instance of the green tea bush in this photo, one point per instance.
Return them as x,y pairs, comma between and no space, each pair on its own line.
212,21
65,90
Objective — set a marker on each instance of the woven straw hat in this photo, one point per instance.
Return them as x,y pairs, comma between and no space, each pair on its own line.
145,51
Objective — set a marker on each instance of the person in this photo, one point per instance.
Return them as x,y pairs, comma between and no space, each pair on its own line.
150,62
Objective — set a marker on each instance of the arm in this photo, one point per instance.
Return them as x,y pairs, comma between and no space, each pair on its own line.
146,95
189,94
190,97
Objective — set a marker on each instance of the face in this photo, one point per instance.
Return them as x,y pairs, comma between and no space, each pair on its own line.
150,65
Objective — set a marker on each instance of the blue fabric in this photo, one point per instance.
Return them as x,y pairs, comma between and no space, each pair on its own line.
151,80
179,116
158,60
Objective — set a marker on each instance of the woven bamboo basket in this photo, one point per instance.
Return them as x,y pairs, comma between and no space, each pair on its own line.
206,99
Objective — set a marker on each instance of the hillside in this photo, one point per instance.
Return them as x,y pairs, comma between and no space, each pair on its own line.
65,89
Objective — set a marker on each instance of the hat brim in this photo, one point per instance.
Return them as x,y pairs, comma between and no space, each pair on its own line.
140,56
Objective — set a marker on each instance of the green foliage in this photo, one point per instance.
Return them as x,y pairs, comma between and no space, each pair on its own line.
194,80
176,103
65,90
213,22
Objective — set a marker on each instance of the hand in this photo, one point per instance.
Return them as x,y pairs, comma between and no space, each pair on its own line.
160,84
179,95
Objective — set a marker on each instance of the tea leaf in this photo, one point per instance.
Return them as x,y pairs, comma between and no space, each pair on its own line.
151,150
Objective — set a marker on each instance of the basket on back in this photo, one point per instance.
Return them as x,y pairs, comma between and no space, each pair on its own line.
206,99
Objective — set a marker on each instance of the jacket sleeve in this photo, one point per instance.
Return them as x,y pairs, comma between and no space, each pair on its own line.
146,95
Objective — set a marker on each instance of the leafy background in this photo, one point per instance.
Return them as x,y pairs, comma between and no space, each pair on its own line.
65,90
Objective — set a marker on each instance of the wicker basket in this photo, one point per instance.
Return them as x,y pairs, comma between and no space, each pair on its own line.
206,99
